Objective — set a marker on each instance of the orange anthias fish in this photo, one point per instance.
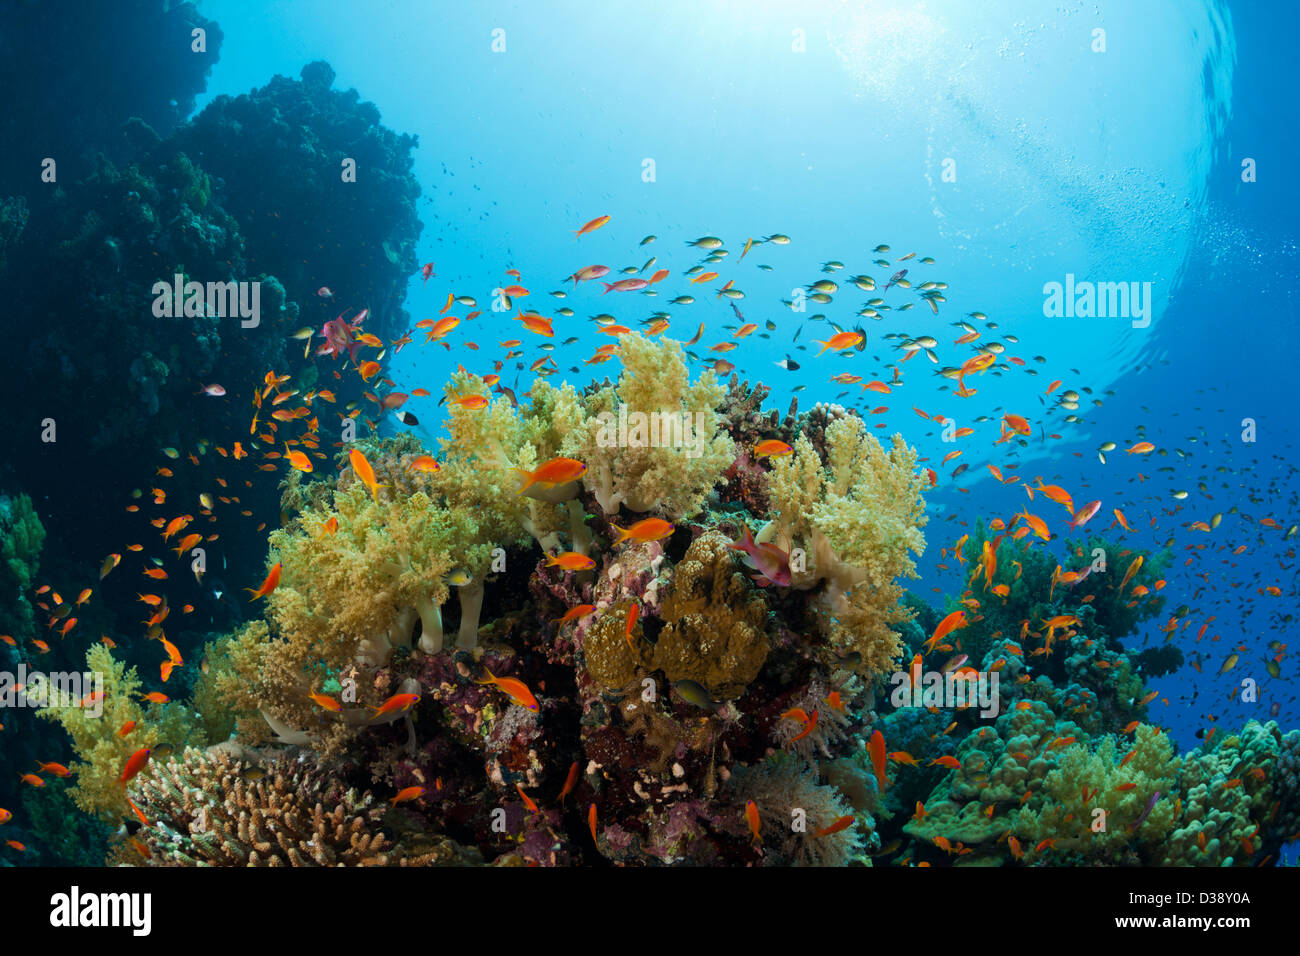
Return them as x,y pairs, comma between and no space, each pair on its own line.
772,448
570,782
1057,494
407,794
396,703
633,615
324,700
876,750
361,467
843,823
1085,514
570,561
644,531
557,471
516,690
839,342
809,726
58,769
1133,569
298,460
134,764
591,822
954,621
581,610
529,802
592,226
755,827
269,585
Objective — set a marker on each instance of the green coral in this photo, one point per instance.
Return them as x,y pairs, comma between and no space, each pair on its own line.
1093,799
715,621
22,536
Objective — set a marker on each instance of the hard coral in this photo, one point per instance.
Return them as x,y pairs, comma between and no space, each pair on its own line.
715,621
212,809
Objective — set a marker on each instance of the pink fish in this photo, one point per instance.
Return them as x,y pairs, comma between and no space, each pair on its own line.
325,292
625,285
426,270
1085,513
771,562
338,336
215,390
586,273
901,273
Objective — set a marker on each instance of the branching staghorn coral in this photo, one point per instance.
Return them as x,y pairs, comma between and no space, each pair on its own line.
212,809
856,517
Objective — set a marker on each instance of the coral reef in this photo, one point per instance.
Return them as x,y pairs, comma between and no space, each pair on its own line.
102,747
215,808
22,536
855,517
714,621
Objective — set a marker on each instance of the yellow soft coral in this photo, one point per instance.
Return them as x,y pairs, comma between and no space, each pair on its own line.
490,447
101,751
851,523
672,463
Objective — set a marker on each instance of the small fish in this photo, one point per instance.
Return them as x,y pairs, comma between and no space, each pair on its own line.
396,704
591,226
327,702
362,469
580,610
570,782
570,561
267,586
751,817
516,690
842,823
772,448
644,531
695,693
557,471
406,794
134,764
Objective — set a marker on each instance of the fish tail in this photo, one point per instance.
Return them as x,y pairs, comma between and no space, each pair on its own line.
623,533
530,479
